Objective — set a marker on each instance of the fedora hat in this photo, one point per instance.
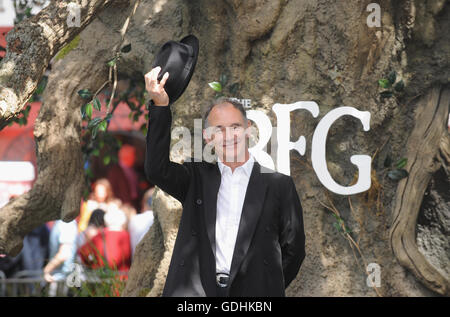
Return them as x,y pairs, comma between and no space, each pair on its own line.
179,60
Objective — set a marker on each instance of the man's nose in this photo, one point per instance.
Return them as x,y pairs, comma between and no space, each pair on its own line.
230,135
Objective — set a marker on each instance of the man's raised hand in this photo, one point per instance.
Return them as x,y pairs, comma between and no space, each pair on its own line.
155,88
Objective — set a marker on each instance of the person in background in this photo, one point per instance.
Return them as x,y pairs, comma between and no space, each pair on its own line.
102,197
96,223
35,249
141,223
111,243
62,247
124,178
129,211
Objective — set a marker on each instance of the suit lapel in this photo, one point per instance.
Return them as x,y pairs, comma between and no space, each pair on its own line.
210,192
251,210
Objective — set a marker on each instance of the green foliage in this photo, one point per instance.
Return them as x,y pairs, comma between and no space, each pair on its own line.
398,172
340,225
126,48
222,85
389,83
85,93
216,86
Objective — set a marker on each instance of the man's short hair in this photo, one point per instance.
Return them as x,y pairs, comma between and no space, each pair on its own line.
233,101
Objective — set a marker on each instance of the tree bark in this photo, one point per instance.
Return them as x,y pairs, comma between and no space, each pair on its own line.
32,44
422,151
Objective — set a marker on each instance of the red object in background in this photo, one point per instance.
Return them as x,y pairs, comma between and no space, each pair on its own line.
3,31
118,250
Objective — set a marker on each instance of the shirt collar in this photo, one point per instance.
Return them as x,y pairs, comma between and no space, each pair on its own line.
247,166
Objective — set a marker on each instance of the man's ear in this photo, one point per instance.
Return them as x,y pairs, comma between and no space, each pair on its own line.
249,129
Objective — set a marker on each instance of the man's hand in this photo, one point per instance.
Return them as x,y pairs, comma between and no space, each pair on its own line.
48,278
155,88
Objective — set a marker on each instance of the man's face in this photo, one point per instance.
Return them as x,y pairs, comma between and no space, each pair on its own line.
227,132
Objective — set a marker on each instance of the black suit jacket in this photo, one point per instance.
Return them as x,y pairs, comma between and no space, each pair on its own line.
270,245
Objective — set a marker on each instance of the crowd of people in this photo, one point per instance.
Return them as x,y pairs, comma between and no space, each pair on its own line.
105,233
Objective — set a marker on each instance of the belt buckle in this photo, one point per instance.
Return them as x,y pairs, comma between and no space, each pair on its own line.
219,276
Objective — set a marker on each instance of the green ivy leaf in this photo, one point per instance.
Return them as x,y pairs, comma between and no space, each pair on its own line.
392,77
94,122
112,62
397,174
223,80
234,89
85,94
95,152
106,160
126,48
41,86
399,86
94,131
401,163
336,225
387,161
216,86
384,83
386,94
89,110
28,12
103,125
97,104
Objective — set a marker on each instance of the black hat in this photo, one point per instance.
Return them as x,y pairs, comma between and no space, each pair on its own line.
179,59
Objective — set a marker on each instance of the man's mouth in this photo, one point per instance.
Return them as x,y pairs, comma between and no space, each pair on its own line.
230,144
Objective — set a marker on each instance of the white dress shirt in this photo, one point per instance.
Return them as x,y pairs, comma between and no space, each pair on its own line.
230,200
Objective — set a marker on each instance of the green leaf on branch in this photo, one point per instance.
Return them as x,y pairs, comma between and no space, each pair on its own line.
94,122
397,174
223,80
95,152
386,94
112,62
401,163
216,86
97,104
387,161
94,131
392,77
88,110
85,94
234,89
41,86
126,48
399,86
384,83
106,160
103,125
336,225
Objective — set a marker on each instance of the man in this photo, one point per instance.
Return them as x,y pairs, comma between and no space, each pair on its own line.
241,231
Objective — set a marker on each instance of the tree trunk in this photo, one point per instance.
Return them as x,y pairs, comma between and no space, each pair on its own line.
303,50
31,45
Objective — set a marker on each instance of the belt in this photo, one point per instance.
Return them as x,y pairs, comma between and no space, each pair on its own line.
222,279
